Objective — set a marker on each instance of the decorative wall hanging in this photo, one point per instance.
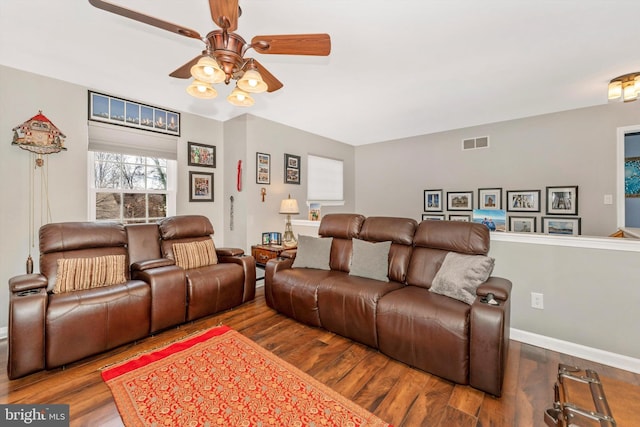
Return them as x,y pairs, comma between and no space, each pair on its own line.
263,168
121,112
433,200
562,200
523,201
459,200
201,155
39,136
291,169
200,187
632,177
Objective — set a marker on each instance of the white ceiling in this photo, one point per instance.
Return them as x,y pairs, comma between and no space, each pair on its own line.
398,68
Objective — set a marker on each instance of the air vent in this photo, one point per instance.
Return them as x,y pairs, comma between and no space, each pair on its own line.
473,143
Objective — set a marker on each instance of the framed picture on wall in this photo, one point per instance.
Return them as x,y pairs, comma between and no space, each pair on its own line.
200,187
523,201
490,198
201,155
433,217
457,217
562,226
522,224
291,169
562,200
433,200
263,168
459,200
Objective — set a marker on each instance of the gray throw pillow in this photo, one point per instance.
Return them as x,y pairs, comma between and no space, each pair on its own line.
460,275
370,260
313,252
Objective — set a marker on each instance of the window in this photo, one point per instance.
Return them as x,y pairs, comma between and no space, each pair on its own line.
325,180
132,174
131,189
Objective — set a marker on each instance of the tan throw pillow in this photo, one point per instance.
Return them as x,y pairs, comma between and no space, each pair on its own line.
370,260
460,275
195,254
76,274
313,252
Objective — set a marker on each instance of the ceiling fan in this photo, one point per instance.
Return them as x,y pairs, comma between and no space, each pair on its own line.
223,58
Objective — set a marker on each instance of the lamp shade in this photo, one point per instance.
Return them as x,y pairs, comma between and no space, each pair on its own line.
240,98
208,70
251,81
200,89
289,206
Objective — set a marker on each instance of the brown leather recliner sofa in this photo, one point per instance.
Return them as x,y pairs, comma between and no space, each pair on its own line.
50,327
466,343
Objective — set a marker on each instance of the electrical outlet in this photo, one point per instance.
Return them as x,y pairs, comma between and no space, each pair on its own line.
537,300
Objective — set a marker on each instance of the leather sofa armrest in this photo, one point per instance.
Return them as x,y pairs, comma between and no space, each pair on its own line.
490,328
224,252
271,268
168,293
27,282
499,287
26,332
248,264
151,263
289,253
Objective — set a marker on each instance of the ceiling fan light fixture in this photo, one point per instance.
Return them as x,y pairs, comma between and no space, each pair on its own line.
202,90
252,82
240,98
624,88
208,70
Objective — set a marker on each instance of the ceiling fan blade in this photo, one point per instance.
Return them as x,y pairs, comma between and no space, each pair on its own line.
184,72
273,84
293,44
225,13
137,16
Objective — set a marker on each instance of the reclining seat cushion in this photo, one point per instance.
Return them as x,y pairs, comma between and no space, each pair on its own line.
425,330
294,292
83,323
348,305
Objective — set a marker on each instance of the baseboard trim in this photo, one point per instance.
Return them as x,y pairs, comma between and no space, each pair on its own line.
596,355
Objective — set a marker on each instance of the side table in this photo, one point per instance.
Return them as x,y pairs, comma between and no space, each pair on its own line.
263,253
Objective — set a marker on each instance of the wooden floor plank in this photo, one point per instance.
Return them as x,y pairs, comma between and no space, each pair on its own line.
397,393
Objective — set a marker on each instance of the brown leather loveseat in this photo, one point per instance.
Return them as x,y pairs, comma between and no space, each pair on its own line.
102,285
439,328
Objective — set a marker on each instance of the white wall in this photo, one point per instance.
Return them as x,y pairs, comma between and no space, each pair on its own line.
576,147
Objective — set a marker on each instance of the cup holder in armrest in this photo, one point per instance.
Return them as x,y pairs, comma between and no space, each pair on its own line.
28,292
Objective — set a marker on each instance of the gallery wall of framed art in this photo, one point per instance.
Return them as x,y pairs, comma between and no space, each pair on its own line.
518,211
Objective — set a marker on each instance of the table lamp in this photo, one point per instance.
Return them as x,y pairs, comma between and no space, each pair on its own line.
289,207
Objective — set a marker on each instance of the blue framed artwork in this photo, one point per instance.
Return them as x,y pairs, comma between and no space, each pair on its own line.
632,177
122,112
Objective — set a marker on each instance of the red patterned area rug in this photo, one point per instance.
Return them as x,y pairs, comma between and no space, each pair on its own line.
221,378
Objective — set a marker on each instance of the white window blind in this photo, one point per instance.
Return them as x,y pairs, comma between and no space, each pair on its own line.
325,180
115,139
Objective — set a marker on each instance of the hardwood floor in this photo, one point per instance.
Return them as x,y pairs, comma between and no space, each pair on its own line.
396,393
